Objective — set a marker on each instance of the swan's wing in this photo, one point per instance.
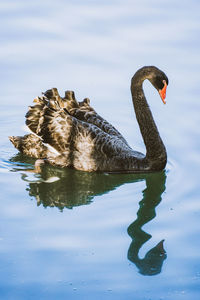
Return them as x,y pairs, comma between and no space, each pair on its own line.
52,123
92,117
80,144
82,111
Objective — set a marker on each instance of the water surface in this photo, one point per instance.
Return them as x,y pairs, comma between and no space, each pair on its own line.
70,234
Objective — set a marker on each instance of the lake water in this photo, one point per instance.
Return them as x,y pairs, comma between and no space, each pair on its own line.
67,234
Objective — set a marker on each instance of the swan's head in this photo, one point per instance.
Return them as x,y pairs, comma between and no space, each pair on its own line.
160,81
157,78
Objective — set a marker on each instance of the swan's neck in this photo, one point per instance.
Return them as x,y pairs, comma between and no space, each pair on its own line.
155,149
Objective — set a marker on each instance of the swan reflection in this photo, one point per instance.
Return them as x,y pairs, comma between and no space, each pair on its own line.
67,188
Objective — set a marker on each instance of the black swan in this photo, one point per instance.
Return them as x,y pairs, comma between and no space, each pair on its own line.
68,133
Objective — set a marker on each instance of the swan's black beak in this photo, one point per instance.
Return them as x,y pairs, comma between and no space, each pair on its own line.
162,92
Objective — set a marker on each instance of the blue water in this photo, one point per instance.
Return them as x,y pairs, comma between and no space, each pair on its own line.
67,234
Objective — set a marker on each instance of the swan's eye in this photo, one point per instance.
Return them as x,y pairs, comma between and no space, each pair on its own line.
159,83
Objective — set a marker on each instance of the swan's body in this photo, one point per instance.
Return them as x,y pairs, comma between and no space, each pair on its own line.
68,133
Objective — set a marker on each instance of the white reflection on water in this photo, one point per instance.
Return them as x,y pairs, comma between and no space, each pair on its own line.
94,47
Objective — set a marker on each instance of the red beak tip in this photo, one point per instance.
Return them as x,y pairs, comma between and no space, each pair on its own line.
163,92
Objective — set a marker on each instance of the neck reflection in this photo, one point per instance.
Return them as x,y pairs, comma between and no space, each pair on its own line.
152,263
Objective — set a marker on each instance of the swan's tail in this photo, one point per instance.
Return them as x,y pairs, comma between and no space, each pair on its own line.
30,145
16,141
